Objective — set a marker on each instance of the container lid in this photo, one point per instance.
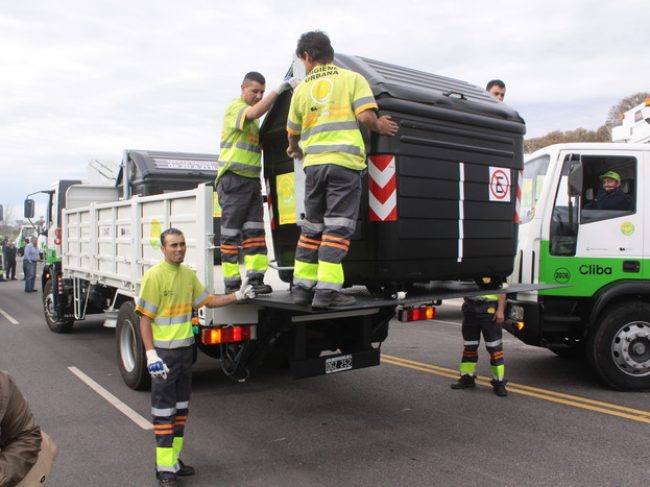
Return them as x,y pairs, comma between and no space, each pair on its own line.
147,164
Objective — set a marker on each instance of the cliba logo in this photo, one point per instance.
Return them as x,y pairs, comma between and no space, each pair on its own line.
594,270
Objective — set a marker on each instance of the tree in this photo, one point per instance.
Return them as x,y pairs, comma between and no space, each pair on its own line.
625,104
558,137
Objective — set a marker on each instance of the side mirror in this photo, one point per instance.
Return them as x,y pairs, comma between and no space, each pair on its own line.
29,208
575,180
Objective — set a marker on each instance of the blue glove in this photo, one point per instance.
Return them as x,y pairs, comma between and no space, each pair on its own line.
156,366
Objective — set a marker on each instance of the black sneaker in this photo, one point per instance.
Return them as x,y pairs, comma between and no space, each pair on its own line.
166,479
499,387
185,470
332,300
259,287
300,295
465,382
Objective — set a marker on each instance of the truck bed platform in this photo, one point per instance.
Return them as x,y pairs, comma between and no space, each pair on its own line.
367,300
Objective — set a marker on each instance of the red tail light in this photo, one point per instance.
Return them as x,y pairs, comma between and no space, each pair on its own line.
417,314
57,236
214,336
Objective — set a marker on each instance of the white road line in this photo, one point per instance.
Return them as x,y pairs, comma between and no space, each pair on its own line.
114,401
11,319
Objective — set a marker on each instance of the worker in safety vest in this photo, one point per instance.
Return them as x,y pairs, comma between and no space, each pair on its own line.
168,293
238,184
483,314
323,127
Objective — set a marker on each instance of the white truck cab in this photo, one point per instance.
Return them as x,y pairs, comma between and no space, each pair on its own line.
598,254
634,126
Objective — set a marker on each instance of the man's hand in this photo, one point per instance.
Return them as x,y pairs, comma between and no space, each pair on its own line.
156,366
295,152
286,84
245,292
386,126
499,317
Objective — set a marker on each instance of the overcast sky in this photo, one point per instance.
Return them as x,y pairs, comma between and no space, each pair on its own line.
82,80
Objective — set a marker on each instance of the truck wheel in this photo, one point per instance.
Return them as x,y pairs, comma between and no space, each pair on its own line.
619,346
130,351
48,310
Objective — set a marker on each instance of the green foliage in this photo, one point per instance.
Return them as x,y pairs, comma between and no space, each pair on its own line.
558,137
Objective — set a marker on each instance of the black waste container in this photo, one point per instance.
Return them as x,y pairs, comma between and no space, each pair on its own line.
439,200
155,172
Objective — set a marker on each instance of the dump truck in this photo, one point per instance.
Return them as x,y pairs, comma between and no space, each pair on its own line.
599,257
439,202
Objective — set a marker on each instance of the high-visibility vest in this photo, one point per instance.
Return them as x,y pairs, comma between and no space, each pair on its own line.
240,151
167,295
324,110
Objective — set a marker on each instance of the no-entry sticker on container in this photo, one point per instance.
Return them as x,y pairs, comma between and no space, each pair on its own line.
500,184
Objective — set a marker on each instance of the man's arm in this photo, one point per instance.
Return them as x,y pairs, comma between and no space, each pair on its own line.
499,315
217,301
382,125
294,151
145,332
265,104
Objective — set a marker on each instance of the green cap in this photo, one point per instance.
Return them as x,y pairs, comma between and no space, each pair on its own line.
611,175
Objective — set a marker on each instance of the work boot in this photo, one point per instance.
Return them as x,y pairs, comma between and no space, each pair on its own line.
301,296
259,287
332,300
166,479
499,387
465,382
185,470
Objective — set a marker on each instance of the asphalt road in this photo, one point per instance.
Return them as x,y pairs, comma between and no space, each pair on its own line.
396,424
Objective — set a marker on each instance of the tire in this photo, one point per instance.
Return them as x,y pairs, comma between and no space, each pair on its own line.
619,347
48,310
131,357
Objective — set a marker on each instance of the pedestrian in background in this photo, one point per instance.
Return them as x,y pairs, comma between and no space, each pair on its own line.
168,293
30,258
9,253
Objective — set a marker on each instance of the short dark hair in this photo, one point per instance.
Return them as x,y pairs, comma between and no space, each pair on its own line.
317,45
254,76
169,231
495,82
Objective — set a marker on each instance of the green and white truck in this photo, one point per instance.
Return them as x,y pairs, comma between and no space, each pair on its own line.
602,257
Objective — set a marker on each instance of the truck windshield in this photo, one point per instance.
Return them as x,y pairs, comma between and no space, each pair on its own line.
532,185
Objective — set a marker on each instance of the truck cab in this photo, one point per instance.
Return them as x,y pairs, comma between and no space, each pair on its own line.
597,254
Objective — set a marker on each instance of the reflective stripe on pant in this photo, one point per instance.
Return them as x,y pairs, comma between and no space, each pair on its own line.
240,199
169,406
479,318
332,195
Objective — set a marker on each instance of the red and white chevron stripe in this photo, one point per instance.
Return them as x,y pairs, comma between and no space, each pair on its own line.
382,188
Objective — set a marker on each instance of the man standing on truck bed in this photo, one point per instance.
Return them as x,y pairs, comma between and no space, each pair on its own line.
238,184
324,116
168,293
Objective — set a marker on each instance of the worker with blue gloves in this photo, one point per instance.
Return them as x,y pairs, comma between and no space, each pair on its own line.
168,293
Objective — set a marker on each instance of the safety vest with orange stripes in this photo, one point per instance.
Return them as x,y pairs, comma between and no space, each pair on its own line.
167,295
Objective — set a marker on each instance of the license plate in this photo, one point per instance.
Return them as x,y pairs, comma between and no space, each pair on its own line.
338,364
